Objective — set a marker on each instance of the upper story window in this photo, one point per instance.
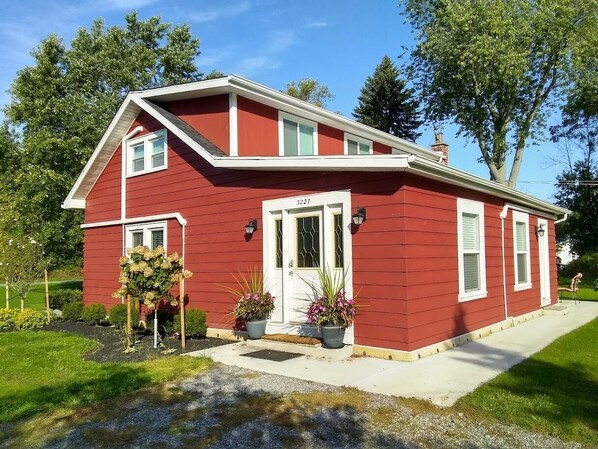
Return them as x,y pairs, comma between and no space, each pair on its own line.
151,235
297,136
357,145
521,249
147,153
472,252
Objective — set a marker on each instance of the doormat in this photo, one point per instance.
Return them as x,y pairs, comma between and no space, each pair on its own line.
274,356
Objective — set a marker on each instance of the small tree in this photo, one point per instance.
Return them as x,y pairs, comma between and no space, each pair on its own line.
148,276
22,262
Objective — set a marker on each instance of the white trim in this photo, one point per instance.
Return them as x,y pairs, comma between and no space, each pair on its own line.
233,125
147,229
146,140
474,208
279,209
300,121
359,140
521,217
101,224
544,264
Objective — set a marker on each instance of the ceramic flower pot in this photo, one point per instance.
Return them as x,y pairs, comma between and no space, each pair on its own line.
256,328
333,336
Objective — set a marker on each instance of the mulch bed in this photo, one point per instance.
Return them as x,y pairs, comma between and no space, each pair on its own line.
112,342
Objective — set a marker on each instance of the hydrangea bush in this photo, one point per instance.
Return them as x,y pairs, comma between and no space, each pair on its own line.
148,276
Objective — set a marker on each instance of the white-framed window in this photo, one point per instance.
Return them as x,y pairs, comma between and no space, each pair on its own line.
296,136
521,250
151,235
472,249
147,154
356,145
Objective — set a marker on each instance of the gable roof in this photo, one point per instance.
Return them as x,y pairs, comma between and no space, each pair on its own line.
408,157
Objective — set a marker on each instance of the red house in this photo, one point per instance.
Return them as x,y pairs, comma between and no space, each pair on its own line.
442,256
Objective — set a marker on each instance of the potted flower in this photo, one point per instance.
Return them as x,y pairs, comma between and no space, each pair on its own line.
254,303
331,310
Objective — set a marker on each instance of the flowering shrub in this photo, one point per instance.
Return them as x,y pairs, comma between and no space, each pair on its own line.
340,311
30,319
255,302
149,275
330,304
7,319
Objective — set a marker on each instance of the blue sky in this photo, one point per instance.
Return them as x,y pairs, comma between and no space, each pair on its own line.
339,43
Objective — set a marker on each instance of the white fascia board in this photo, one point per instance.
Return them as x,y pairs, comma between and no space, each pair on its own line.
70,201
449,175
187,90
317,163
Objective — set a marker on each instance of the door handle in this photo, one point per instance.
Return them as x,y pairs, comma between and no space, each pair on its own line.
291,273
291,264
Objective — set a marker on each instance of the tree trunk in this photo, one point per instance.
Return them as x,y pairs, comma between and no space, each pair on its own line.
7,295
156,328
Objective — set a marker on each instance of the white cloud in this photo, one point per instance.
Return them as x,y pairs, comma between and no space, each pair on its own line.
280,41
229,10
249,66
316,23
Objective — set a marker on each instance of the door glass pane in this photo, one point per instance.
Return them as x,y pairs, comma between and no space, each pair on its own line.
157,238
278,254
306,140
338,241
290,138
137,238
352,147
308,242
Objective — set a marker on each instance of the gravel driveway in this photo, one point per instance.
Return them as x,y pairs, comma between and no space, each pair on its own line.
230,407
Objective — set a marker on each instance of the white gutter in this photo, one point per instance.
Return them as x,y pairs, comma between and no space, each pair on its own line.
503,215
562,219
100,224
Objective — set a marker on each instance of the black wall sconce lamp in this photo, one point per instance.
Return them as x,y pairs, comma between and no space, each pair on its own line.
251,226
360,216
540,230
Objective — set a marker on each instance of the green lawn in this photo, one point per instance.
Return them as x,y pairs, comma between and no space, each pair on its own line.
555,391
44,371
37,296
586,291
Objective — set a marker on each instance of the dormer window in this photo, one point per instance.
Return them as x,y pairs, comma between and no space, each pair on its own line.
297,136
147,153
356,145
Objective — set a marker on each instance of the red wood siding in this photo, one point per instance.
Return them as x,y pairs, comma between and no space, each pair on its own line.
208,115
330,141
380,148
404,256
257,126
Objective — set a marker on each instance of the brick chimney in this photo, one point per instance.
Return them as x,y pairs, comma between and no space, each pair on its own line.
441,148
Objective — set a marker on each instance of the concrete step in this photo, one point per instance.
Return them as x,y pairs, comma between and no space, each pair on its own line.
315,351
556,309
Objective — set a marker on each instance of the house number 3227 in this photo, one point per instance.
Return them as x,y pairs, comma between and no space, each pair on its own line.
302,201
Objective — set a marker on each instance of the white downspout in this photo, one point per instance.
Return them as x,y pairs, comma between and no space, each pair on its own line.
503,215
123,182
562,219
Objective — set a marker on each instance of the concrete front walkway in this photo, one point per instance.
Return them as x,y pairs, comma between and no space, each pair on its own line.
441,379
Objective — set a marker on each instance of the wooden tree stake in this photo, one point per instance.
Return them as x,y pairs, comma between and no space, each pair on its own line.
47,295
129,327
7,295
182,296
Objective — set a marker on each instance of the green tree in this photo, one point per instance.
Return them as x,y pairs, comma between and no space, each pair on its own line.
62,105
386,103
310,90
492,66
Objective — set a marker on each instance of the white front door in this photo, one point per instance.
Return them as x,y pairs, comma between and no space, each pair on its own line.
307,253
301,235
544,264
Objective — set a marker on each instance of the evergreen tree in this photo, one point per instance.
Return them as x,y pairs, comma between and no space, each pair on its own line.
386,103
